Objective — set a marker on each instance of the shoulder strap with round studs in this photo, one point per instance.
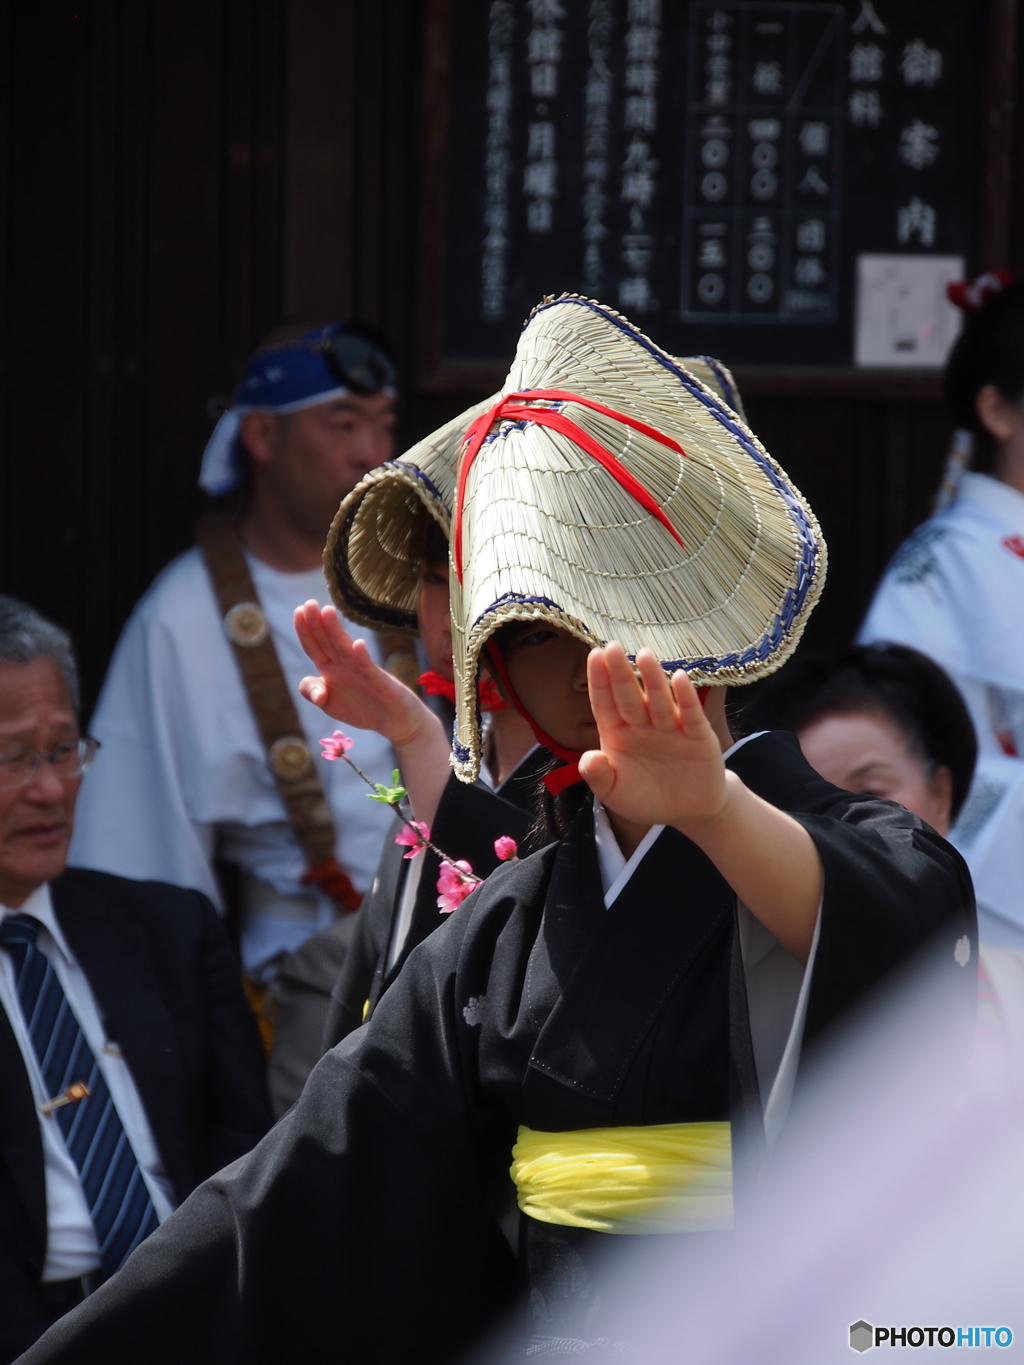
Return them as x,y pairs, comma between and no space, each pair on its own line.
273,708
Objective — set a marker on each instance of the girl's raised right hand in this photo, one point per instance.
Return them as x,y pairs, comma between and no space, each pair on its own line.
351,686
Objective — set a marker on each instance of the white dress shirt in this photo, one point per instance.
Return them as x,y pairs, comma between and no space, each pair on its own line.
71,1246
182,776
777,986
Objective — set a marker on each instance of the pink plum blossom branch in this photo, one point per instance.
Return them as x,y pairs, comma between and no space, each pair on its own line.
456,879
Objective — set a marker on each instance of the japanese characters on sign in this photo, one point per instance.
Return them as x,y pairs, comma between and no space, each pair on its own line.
498,161
543,61
597,93
874,57
639,166
706,162
763,200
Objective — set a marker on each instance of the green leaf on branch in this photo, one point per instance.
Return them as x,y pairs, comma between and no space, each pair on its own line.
389,796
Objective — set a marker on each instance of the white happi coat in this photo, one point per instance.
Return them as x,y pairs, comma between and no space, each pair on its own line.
182,775
955,591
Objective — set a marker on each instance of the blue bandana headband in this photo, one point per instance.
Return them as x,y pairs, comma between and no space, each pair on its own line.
282,379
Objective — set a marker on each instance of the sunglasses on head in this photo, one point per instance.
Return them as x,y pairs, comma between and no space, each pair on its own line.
356,363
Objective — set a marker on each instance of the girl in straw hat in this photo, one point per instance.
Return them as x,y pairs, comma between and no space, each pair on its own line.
619,1015
384,561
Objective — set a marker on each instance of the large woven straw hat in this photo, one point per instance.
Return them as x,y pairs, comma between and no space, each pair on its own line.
371,559
618,498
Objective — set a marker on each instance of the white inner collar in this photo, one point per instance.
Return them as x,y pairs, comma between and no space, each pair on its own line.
616,870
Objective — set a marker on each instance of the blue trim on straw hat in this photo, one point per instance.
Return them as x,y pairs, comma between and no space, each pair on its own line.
719,371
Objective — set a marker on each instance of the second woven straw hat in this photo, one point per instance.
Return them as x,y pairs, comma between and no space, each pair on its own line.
609,493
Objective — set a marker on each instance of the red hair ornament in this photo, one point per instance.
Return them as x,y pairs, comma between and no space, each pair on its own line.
970,296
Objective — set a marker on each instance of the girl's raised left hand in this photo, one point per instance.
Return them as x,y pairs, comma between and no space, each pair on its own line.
660,761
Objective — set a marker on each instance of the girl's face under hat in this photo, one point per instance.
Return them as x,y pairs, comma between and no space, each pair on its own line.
547,668
433,614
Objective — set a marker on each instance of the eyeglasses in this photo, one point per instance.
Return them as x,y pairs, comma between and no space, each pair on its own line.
19,766
357,363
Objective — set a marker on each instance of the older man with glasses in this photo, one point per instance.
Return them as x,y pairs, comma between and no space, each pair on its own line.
130,1065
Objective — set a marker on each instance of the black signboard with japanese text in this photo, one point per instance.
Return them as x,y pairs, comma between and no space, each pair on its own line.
713,170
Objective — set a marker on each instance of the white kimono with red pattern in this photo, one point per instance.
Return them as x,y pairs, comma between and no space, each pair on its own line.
955,591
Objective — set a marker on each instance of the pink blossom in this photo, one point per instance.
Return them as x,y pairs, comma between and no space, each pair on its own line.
506,848
335,746
415,835
455,882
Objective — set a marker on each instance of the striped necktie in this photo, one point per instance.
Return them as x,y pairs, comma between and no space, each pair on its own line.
114,1189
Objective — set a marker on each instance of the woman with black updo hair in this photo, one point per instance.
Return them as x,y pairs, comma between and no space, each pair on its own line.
955,589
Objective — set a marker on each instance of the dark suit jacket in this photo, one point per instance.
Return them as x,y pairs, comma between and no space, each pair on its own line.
168,988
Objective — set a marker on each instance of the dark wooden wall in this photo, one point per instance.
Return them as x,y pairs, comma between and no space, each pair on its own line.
177,177
180,175
869,466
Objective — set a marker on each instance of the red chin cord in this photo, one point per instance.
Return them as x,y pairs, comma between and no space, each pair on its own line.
557,780
560,778
435,685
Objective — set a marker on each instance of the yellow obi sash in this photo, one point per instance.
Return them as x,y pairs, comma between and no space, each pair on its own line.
669,1177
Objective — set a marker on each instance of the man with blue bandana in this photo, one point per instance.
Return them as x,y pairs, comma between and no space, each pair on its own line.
183,778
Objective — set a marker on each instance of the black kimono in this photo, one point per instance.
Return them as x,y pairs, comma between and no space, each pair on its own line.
468,820
363,1227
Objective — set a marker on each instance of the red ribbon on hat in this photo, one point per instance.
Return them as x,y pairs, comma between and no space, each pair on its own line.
512,408
437,686
970,296
559,778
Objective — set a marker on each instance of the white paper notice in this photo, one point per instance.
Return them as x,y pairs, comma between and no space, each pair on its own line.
903,315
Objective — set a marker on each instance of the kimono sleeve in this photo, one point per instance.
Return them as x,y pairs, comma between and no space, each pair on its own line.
470,818
357,1230
893,889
